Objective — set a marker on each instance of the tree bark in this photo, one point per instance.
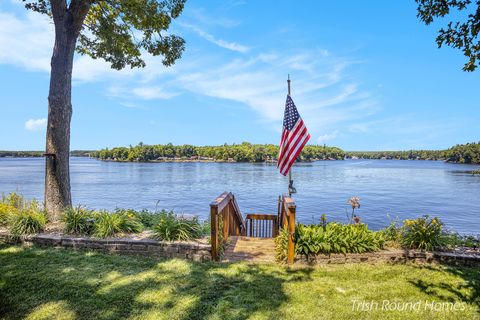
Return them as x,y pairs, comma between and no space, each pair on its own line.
68,23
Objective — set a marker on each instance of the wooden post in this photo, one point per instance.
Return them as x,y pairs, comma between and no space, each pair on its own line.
226,221
214,230
291,234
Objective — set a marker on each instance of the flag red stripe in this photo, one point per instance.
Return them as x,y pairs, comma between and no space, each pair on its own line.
290,141
282,142
294,152
295,155
286,139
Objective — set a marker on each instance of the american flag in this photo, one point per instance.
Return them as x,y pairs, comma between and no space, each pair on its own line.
294,137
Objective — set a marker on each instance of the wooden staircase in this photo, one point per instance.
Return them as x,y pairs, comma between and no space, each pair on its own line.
249,249
252,239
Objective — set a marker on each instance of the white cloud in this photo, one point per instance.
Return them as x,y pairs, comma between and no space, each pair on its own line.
233,46
149,93
36,124
325,94
26,42
200,16
327,137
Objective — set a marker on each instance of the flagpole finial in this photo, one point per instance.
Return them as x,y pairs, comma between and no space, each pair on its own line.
288,82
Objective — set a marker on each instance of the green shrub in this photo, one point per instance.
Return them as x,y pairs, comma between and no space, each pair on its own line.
392,235
130,223
453,239
6,213
107,224
171,227
148,218
281,245
206,227
21,216
27,222
78,220
423,233
336,238
15,200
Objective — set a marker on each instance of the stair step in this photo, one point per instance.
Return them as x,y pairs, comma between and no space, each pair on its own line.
250,249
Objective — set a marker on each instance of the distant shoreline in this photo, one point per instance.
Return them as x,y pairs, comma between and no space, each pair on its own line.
258,153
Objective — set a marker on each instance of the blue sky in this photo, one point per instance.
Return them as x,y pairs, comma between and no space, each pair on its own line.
364,77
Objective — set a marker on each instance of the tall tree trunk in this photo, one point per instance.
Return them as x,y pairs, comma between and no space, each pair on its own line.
57,167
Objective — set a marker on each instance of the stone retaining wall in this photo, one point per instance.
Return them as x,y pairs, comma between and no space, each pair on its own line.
200,251
395,256
182,250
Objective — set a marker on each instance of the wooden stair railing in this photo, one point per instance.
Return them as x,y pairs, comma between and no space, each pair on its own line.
262,225
286,219
225,215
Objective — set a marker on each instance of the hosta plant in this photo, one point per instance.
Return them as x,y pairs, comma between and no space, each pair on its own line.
336,238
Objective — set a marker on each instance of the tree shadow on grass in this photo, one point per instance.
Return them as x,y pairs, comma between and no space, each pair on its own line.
99,286
468,291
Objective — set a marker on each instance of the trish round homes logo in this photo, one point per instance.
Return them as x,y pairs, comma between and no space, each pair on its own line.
408,306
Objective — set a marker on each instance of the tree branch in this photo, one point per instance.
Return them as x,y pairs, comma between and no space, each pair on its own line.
79,10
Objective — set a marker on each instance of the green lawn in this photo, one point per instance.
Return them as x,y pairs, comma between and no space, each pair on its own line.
65,284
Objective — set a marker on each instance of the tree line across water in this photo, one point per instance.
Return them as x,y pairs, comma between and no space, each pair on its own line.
244,152
462,153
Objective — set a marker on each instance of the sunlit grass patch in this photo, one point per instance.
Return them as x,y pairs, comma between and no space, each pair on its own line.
52,310
40,283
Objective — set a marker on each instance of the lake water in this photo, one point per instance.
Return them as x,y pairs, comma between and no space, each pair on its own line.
403,189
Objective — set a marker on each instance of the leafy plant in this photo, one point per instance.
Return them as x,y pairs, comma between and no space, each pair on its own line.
172,227
336,238
14,200
27,222
281,245
453,239
392,234
424,233
130,222
79,220
148,219
6,213
107,224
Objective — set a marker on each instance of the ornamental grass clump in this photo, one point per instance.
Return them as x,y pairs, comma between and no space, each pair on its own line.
30,220
6,213
177,228
79,220
14,200
107,224
148,219
424,233
130,223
